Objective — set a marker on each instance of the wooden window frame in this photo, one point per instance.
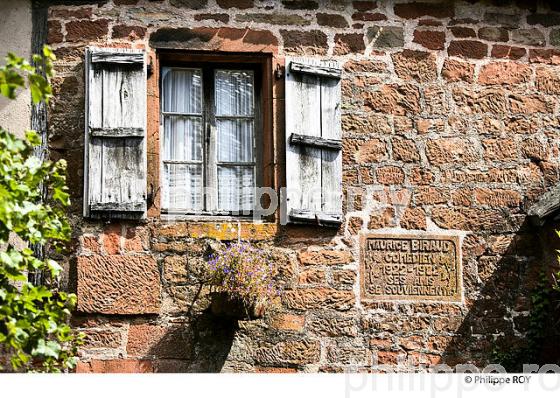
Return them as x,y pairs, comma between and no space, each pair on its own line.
261,65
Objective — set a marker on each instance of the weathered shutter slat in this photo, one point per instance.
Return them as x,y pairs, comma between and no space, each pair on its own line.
117,132
331,161
316,69
112,57
313,141
115,137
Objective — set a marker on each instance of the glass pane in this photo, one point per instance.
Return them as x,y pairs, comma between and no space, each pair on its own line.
236,188
183,187
182,90
235,140
234,93
182,138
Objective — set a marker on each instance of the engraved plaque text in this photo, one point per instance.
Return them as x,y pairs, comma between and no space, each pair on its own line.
410,267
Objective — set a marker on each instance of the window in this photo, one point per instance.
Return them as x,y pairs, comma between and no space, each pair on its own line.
211,138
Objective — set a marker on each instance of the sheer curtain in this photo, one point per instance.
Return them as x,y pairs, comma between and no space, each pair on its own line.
235,120
182,139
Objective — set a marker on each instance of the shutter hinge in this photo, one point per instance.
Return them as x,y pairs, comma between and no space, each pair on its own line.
149,67
279,72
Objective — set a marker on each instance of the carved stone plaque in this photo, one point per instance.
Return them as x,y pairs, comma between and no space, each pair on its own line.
410,267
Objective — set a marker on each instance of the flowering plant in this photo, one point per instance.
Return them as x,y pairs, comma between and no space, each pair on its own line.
244,272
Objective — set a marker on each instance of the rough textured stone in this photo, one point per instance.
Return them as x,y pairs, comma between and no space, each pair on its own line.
415,65
504,73
224,39
545,56
118,285
214,17
333,20
128,31
312,277
87,30
115,366
300,4
289,352
369,16
346,43
419,9
288,322
175,269
313,298
455,70
530,37
366,125
405,150
497,197
148,340
528,104
306,42
462,32
365,66
445,151
430,196
325,257
394,99
384,218
501,51
493,34
344,277
413,218
385,36
91,244
364,5
491,100
431,39
80,13
191,4
555,37
54,32
274,19
468,49
547,80
502,18
112,238
371,151
389,175
499,149
102,338
241,4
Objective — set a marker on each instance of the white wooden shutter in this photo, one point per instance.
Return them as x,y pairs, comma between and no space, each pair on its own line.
313,141
115,136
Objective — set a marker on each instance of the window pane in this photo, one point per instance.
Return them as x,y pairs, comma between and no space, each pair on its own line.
235,140
234,93
182,138
182,91
184,186
236,188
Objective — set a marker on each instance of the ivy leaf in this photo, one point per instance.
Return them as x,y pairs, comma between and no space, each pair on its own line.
47,349
54,267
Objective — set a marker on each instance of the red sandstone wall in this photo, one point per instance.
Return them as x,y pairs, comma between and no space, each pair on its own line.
450,114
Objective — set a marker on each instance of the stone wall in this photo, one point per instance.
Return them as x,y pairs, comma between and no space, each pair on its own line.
450,125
